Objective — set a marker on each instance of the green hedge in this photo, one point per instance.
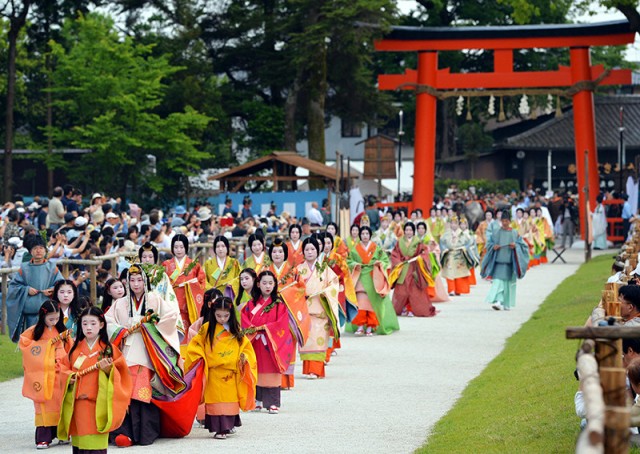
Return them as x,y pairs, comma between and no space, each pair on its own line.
482,186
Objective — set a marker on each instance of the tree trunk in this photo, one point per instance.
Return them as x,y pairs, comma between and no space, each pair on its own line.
315,107
11,94
290,109
49,133
17,21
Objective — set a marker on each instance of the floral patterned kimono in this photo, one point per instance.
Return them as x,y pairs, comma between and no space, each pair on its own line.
229,383
188,282
385,239
42,379
436,226
286,275
152,353
456,260
225,278
322,288
273,343
414,285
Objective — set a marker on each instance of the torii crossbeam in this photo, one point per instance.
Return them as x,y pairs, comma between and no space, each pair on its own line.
580,77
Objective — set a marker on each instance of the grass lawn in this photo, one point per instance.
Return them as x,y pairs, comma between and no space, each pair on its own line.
10,358
523,400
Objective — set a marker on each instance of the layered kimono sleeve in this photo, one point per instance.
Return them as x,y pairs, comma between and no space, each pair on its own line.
247,376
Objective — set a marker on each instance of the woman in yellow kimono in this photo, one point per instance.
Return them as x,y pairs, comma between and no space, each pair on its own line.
221,270
98,387
435,224
322,287
231,370
43,346
546,231
258,260
354,237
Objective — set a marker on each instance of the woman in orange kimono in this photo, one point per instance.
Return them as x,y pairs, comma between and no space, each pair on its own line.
323,306
43,346
97,389
294,245
338,244
188,281
285,275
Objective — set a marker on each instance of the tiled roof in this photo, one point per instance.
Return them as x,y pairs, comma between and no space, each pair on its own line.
557,133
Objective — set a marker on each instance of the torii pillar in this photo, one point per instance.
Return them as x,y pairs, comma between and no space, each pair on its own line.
503,41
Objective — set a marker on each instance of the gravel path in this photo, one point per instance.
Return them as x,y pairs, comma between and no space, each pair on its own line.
381,394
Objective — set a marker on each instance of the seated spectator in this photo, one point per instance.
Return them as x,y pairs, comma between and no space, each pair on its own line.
629,298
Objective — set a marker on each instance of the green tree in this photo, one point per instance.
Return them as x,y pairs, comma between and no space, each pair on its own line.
105,92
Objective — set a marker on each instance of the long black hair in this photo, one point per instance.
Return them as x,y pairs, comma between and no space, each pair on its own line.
149,247
107,298
104,337
278,242
48,307
313,242
368,229
295,226
253,274
224,304
209,297
74,310
183,239
223,239
256,293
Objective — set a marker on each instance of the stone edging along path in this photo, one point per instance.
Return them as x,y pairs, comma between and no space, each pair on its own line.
381,394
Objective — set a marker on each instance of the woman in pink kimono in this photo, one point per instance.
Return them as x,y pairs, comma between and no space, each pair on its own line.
414,286
265,320
322,288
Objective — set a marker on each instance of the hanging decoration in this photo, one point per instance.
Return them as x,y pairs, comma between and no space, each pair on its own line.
558,107
502,116
492,106
534,108
469,117
459,105
523,108
549,107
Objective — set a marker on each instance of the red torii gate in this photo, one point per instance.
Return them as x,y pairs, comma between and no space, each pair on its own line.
429,81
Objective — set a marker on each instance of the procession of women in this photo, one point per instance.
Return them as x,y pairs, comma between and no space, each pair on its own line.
191,342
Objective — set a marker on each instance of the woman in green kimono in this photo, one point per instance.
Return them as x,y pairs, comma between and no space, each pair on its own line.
368,264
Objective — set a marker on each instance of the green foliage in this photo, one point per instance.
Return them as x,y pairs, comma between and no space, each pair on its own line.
106,91
11,359
482,186
473,139
510,409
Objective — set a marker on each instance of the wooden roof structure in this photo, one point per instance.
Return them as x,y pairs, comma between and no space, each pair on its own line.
283,165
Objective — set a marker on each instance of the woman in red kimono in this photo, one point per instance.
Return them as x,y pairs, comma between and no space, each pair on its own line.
188,281
295,256
265,320
412,287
